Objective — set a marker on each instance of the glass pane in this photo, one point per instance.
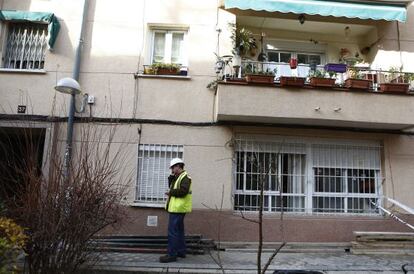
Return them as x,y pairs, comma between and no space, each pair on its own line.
329,180
303,59
159,47
273,56
315,59
177,48
361,181
285,57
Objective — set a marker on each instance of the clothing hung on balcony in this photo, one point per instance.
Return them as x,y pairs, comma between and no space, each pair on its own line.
375,11
34,17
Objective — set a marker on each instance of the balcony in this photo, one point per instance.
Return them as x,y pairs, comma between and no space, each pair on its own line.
336,106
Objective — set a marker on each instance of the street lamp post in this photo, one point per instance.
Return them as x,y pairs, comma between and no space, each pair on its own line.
72,87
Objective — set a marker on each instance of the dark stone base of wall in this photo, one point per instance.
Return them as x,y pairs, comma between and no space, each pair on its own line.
295,228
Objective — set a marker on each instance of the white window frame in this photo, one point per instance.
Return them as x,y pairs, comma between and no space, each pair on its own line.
168,44
4,34
310,191
171,151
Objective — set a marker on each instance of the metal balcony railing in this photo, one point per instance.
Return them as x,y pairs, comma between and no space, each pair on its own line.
226,70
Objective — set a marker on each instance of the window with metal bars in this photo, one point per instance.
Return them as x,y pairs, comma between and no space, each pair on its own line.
311,176
26,46
153,171
279,168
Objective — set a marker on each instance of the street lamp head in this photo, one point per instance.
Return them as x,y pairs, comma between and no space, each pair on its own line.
68,85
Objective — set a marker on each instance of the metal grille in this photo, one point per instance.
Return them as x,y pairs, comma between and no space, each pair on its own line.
26,46
153,171
279,167
309,175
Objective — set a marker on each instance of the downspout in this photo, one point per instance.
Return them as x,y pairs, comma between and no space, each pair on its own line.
75,75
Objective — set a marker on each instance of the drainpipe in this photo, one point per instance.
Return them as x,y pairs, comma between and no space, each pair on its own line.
75,75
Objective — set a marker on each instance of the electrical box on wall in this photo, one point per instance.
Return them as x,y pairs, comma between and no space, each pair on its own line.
91,99
152,221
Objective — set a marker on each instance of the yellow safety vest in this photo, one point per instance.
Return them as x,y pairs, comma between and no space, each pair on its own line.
180,204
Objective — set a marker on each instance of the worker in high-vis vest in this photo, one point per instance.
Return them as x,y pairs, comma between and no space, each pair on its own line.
179,203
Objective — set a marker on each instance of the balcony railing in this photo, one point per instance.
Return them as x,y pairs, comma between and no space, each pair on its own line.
377,77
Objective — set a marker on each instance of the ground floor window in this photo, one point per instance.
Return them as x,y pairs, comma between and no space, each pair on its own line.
153,171
310,176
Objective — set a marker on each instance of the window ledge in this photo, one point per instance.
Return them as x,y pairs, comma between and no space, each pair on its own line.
27,71
144,204
175,77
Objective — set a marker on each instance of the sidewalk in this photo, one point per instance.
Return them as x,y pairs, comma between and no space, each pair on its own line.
245,262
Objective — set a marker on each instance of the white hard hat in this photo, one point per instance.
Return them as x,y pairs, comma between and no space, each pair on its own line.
176,161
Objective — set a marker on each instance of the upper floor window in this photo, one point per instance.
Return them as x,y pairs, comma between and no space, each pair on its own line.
25,46
168,46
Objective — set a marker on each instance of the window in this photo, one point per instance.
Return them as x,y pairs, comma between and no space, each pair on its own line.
153,171
168,47
309,59
25,46
307,176
279,57
282,172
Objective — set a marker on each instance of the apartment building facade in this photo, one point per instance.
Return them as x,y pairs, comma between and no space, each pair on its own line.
330,153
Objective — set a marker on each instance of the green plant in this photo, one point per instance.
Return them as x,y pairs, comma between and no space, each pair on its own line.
242,39
354,73
262,72
317,74
408,77
12,241
157,66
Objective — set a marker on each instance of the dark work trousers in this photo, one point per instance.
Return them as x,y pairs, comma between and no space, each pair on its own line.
176,240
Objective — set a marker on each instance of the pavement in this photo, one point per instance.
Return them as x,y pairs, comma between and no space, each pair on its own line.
239,261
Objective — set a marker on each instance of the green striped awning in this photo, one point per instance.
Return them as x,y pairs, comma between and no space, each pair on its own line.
374,11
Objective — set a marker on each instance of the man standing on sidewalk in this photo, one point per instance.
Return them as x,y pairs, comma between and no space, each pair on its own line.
179,203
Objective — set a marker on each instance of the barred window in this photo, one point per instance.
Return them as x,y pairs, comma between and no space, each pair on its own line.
309,175
281,170
26,46
153,171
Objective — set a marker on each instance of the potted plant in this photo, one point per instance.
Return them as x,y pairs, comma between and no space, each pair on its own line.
397,83
165,69
356,80
322,79
261,76
243,43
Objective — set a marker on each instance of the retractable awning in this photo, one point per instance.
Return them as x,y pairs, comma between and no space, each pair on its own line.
37,17
374,11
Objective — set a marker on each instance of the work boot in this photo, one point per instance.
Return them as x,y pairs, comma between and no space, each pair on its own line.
168,259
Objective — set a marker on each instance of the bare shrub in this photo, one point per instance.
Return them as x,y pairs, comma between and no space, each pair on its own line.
62,212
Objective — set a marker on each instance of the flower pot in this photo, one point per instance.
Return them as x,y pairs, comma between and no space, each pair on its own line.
236,80
292,81
358,84
165,71
236,61
339,68
322,82
394,87
260,79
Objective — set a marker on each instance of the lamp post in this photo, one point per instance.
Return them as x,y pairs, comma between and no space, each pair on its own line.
72,87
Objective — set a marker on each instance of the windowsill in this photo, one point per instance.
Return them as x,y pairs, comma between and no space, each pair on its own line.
147,205
26,71
175,77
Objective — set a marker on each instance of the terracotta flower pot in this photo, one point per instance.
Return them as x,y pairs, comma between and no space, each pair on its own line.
358,84
260,79
165,71
322,82
394,87
292,81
